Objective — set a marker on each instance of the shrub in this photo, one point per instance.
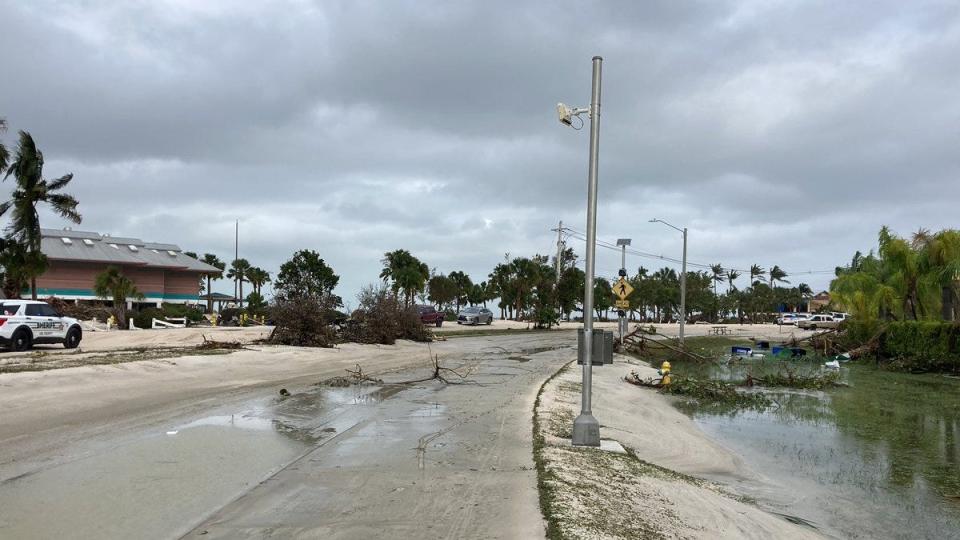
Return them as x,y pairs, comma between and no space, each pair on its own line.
302,322
144,319
382,319
545,316
182,310
922,345
857,331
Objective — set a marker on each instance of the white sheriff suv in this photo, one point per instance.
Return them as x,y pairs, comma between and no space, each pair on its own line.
24,323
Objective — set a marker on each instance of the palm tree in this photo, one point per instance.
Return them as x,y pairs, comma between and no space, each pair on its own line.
214,261
463,284
717,277
777,275
941,261
257,277
755,272
407,273
238,273
32,189
731,276
111,284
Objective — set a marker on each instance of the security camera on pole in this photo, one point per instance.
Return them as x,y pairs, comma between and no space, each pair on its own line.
586,429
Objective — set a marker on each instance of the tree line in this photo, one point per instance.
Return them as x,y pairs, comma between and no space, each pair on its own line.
543,290
915,278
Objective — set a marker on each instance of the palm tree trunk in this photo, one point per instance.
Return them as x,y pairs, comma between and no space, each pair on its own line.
240,285
33,287
209,296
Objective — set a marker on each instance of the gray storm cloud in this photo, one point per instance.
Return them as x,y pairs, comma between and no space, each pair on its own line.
781,133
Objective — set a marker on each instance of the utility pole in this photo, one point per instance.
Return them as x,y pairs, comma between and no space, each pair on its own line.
683,275
586,428
559,250
683,287
236,255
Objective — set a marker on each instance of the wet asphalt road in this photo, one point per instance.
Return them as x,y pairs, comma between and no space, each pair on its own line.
427,460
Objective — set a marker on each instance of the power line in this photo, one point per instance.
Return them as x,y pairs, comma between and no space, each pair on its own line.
573,233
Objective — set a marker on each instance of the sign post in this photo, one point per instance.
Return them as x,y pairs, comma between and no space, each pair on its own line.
622,289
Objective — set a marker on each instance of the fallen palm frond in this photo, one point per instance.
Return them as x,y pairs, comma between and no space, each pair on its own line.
704,390
212,344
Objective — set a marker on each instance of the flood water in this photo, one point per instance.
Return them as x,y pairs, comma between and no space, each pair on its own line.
876,460
165,478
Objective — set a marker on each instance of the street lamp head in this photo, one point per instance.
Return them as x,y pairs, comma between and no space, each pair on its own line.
623,241
654,220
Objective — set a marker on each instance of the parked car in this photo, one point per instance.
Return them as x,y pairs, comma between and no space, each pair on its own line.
818,321
791,318
837,316
24,323
429,315
475,315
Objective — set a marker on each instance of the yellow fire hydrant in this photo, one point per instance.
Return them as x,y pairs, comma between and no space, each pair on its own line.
111,322
243,319
664,373
213,319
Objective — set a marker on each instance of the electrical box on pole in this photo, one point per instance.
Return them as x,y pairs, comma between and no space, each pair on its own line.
602,350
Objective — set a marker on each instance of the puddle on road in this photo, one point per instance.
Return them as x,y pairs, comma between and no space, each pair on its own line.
161,482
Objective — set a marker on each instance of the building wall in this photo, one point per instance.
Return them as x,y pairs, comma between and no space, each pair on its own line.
68,279
181,283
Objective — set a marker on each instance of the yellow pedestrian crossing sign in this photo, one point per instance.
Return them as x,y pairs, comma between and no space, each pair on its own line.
622,288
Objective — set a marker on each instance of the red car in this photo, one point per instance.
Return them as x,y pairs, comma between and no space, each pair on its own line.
429,315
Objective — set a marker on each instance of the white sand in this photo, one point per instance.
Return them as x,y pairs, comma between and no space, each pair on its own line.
645,421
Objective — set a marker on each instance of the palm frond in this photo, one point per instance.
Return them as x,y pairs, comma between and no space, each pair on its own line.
60,183
65,206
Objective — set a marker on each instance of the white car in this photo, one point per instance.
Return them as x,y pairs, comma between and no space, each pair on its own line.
818,321
24,323
791,318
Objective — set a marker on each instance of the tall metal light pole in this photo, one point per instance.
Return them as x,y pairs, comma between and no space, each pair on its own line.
683,275
586,429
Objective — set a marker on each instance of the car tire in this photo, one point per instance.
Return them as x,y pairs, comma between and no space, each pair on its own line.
812,327
489,321
20,341
72,341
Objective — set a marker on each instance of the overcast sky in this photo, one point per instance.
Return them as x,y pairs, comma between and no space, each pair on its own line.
779,132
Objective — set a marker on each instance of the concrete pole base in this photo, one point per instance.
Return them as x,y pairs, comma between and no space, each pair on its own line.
586,431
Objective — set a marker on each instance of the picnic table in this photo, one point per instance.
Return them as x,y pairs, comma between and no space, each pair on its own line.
719,330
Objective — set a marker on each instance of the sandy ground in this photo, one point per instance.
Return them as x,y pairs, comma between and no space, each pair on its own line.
648,501
152,448
172,337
